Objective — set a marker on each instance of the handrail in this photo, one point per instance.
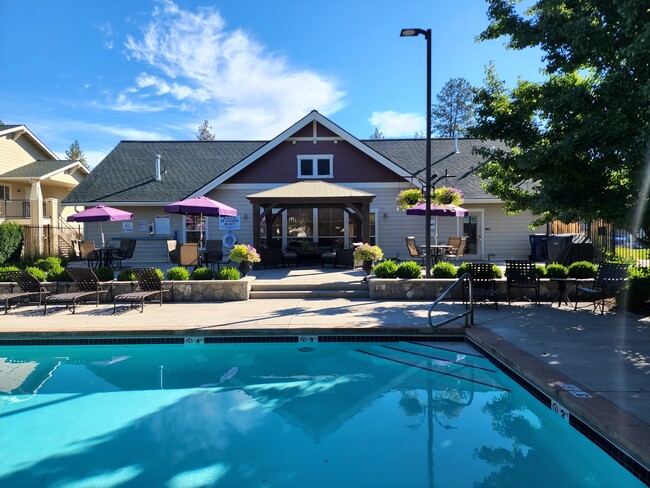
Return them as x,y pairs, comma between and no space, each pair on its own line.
468,313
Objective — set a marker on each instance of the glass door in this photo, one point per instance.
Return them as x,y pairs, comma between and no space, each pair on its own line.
472,228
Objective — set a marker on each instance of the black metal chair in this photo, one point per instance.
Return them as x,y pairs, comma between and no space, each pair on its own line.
127,247
483,283
522,274
29,287
150,286
609,280
213,253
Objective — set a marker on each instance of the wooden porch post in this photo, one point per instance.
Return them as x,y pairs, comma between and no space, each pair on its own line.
257,219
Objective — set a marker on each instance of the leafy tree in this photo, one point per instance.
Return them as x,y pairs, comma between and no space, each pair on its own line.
205,132
76,154
578,139
419,135
454,112
377,134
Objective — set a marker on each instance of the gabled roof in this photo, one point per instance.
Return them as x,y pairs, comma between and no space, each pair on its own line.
19,130
311,190
41,169
193,168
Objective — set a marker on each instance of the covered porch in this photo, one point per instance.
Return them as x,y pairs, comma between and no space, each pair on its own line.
331,206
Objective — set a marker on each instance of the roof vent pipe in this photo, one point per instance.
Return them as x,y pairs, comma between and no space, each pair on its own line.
456,144
157,167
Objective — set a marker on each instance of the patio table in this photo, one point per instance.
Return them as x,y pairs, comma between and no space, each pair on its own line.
562,292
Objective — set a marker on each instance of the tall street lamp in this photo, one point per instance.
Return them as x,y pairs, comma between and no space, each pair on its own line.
427,216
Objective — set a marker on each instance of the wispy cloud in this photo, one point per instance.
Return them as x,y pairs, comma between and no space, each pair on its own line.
196,61
394,124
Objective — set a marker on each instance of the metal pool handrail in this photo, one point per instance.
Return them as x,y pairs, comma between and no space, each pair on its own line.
468,313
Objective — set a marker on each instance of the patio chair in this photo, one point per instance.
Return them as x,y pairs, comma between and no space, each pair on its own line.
484,286
609,280
189,255
174,251
458,247
126,250
89,254
521,274
345,257
415,251
150,285
29,286
271,258
213,253
87,285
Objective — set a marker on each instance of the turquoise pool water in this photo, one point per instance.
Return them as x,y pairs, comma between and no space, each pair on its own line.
281,415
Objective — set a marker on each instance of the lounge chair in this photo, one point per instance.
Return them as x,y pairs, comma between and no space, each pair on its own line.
609,280
29,287
522,274
150,286
87,285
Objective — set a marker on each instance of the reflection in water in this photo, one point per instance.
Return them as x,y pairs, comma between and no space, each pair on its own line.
269,415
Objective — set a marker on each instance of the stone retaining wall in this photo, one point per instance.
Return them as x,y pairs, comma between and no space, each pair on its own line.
428,289
182,291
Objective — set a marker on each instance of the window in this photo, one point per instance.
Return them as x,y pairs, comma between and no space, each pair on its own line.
331,227
300,222
194,227
315,166
4,193
355,233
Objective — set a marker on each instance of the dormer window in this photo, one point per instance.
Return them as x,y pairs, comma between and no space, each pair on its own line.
315,166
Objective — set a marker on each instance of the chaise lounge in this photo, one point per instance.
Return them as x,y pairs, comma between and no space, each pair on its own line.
87,285
150,285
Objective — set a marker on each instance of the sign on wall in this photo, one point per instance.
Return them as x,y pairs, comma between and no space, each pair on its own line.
163,225
127,227
229,223
142,226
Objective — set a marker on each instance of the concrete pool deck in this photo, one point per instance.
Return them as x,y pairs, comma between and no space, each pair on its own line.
606,356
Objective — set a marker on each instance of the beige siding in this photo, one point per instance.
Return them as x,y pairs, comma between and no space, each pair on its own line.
506,236
14,154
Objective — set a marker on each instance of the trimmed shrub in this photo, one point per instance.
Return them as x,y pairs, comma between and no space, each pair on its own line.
3,269
48,263
126,275
461,270
385,269
444,270
409,270
540,271
37,273
228,273
179,273
556,270
11,242
636,295
496,272
582,269
59,274
202,274
105,273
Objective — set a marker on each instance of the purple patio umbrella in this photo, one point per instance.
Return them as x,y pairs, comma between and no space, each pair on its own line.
437,209
201,205
100,213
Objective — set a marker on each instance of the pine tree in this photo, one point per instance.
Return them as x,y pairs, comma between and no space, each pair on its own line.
76,154
377,134
204,133
454,112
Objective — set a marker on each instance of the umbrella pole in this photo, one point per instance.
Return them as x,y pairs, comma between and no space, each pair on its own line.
101,228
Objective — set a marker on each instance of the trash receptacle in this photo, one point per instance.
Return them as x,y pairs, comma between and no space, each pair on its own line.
538,251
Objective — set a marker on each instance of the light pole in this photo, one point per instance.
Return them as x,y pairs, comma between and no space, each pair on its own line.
427,215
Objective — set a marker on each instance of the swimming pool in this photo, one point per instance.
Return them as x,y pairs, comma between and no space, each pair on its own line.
281,415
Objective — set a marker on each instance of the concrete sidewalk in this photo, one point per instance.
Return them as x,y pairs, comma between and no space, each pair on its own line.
607,356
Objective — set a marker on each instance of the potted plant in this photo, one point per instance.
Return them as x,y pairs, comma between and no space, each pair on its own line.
368,254
409,198
245,255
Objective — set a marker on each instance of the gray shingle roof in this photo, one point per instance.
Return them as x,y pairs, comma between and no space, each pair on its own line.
410,154
37,169
127,173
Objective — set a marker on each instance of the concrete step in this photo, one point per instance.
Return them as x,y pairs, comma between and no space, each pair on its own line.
322,293
281,286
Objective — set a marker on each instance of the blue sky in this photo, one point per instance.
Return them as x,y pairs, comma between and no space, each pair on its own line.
103,71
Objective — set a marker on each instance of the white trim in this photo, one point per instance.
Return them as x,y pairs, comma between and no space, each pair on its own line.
20,129
313,117
314,165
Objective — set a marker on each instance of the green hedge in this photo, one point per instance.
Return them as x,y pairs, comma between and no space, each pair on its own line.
409,270
11,242
228,273
385,269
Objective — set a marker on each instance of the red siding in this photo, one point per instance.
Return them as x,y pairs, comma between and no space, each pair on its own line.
280,165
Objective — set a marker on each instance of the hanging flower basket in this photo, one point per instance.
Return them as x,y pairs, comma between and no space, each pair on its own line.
409,198
448,195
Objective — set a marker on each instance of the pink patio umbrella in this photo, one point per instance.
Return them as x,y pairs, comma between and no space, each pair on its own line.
100,213
448,210
201,205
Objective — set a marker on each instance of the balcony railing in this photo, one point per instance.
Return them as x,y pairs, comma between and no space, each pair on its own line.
17,209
